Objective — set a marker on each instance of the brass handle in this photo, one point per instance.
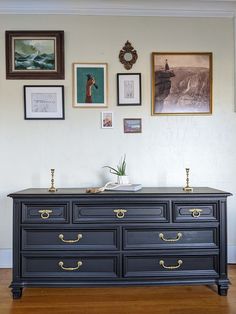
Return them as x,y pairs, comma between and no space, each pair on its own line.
120,213
61,264
45,213
79,236
162,263
179,236
196,212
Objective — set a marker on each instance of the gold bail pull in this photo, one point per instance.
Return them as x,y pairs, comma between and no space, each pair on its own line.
187,188
52,188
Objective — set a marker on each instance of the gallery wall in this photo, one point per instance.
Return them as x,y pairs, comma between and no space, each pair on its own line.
78,147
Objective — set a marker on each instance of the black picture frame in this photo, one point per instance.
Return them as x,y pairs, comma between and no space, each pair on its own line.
129,89
44,102
39,62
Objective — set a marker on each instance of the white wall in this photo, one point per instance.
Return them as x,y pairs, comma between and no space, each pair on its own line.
78,148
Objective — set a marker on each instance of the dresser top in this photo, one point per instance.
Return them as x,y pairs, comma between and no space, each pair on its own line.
151,191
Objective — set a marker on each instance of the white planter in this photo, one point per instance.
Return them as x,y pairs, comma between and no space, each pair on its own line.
122,179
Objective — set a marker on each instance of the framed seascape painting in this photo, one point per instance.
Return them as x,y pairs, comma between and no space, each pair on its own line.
90,85
181,83
35,55
44,102
133,125
129,89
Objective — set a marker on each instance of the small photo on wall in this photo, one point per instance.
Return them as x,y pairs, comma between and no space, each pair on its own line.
107,119
132,125
89,85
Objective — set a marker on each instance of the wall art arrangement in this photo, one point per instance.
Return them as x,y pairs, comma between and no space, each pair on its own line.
107,119
35,55
128,89
90,85
44,102
181,83
133,125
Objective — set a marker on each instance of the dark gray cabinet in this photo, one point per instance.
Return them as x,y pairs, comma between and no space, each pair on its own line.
154,236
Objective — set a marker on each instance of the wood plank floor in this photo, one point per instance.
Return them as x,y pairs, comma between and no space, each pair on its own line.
131,300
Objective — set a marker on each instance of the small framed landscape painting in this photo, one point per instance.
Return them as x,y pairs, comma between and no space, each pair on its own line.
181,83
35,55
133,125
107,120
90,85
128,89
44,102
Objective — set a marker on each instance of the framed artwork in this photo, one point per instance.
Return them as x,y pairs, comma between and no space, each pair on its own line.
107,119
133,125
128,89
44,102
35,55
90,85
181,83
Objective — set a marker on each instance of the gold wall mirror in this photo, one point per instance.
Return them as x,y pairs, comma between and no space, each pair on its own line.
128,56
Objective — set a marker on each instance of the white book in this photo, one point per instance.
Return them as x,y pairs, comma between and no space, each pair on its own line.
123,187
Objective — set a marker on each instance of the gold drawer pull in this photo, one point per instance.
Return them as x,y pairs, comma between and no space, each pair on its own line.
162,263
120,213
196,212
79,237
179,236
61,264
45,213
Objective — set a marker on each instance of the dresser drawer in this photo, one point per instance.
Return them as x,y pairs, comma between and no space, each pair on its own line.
156,238
45,212
170,265
120,213
70,239
195,211
62,265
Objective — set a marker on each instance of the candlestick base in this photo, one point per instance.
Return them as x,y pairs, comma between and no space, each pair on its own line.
52,189
188,189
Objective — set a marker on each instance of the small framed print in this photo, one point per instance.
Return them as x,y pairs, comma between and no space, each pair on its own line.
90,85
44,102
129,89
107,119
133,125
35,55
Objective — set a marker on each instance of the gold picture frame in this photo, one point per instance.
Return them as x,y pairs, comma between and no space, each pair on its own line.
181,83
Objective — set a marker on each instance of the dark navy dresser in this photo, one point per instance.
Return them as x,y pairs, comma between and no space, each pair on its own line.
156,236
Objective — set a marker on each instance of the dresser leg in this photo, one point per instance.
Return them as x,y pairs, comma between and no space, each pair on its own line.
222,290
16,292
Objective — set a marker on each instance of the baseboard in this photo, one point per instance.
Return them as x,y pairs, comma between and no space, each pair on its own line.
6,256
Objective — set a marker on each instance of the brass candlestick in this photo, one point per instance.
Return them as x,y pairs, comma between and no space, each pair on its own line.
187,188
52,188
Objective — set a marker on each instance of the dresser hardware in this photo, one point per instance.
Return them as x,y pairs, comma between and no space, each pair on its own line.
45,213
162,263
196,212
179,236
61,264
79,237
120,213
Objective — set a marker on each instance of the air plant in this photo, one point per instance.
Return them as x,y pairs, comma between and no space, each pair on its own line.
120,169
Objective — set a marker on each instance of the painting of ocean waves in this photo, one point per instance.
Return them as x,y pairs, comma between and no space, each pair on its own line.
34,54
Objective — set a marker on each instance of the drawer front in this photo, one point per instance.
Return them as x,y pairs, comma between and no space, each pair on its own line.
170,266
120,213
73,239
156,238
45,212
62,265
195,211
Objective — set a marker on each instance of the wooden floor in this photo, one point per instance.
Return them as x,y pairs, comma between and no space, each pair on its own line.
132,300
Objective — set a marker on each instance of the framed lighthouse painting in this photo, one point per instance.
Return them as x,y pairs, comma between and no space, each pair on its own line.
90,85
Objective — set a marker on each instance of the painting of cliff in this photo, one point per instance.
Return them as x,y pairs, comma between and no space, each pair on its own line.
182,83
